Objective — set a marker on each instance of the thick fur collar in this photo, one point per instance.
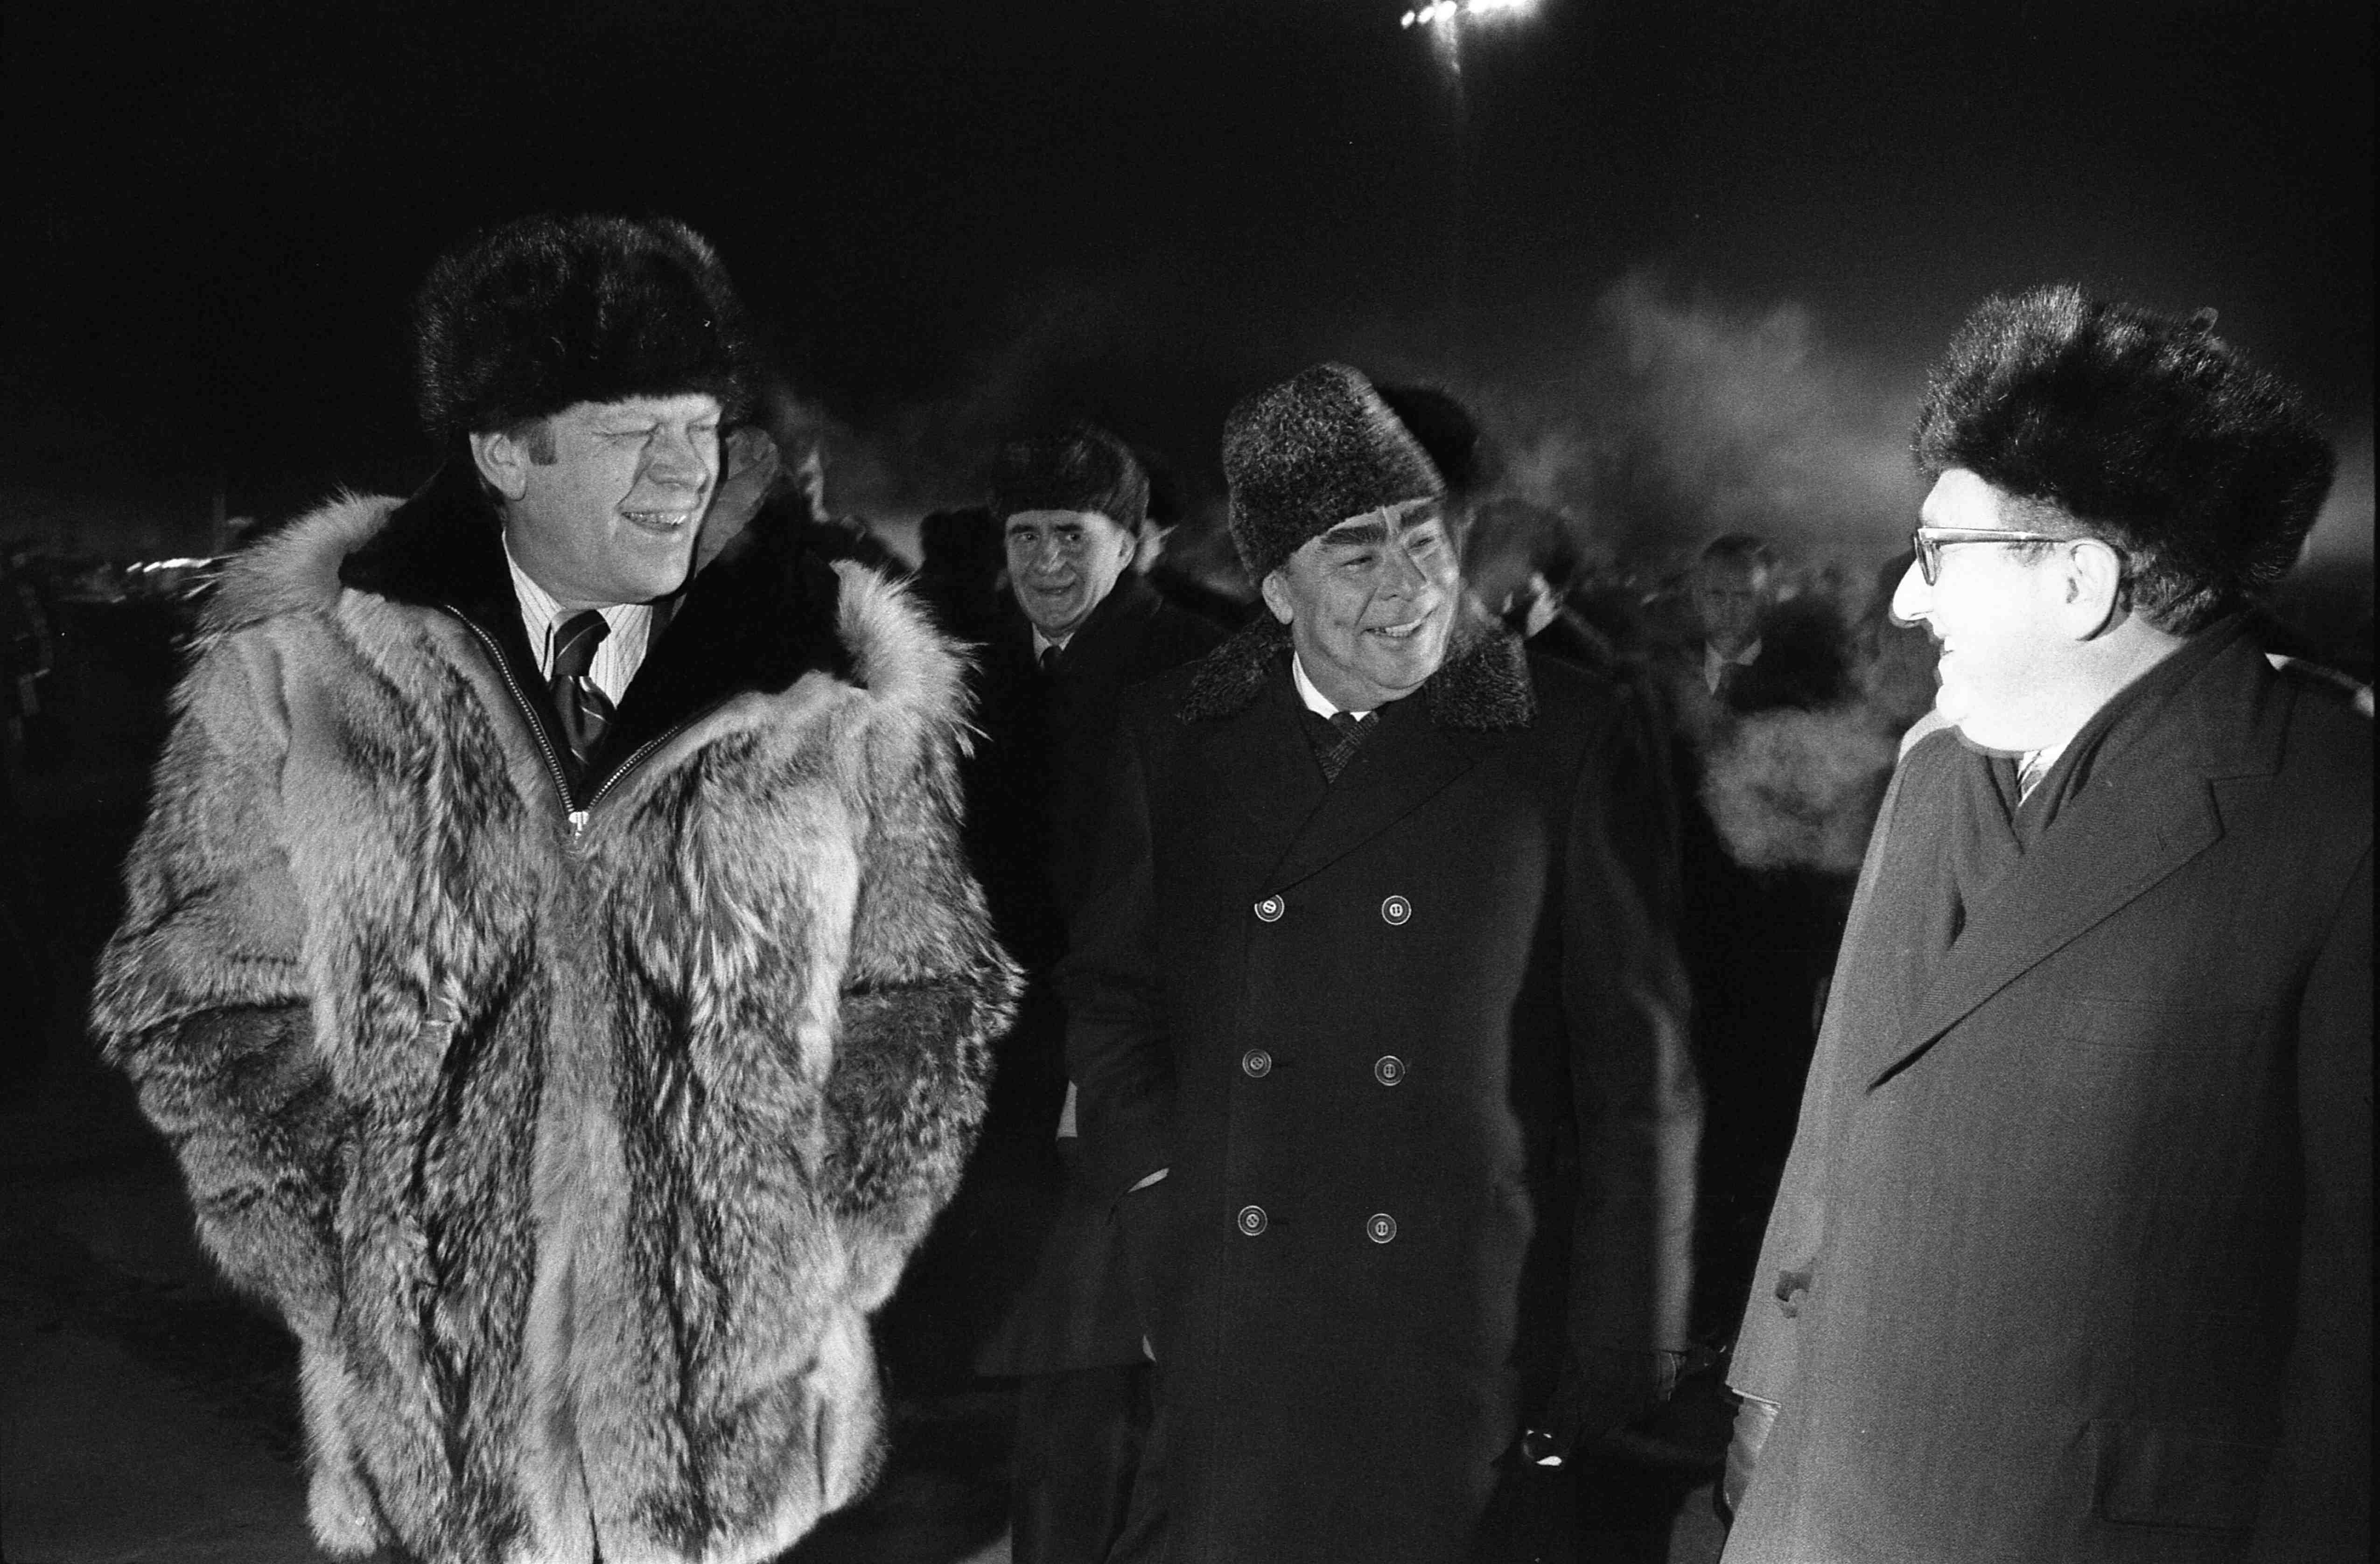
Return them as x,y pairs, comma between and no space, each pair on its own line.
296,569
756,618
1483,683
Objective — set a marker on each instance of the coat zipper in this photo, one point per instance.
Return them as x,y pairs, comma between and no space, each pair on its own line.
575,812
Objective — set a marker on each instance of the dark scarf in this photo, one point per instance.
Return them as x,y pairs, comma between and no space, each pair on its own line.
1941,863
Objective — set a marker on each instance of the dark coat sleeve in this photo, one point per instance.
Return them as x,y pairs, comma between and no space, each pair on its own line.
202,998
2317,1503
1639,1108
926,991
1117,1048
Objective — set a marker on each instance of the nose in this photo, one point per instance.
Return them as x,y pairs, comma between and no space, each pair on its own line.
1044,554
676,460
1912,600
1404,577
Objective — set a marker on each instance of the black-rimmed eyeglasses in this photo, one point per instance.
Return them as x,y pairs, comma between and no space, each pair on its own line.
1929,541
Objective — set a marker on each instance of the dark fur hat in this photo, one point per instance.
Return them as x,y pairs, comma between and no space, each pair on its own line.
1086,468
1307,454
2146,427
548,311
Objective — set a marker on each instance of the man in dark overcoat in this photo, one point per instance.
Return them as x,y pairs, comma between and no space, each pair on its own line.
2073,1258
1081,627
1379,1028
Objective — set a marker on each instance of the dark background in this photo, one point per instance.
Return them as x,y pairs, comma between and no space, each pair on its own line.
1690,259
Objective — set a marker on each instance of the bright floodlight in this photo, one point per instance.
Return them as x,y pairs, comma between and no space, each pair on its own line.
1439,11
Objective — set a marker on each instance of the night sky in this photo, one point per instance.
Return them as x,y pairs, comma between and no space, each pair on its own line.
1689,258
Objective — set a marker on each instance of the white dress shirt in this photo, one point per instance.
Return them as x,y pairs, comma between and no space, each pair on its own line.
619,655
1316,701
1715,664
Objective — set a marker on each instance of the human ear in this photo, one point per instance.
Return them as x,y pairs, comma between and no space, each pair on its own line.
503,461
2092,586
1276,597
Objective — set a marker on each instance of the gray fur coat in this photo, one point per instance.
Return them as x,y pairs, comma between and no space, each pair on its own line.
573,1143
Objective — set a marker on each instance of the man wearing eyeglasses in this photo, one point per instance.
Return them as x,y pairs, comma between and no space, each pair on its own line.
2073,1258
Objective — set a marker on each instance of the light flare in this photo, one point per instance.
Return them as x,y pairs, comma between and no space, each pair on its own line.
1453,11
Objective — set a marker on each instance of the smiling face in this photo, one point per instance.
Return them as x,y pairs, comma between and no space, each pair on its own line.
1999,613
1370,602
611,517
1061,564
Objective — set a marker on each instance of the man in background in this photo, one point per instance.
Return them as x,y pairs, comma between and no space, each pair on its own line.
1082,627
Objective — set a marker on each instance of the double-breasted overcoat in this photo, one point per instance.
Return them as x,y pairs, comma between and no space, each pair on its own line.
1412,1046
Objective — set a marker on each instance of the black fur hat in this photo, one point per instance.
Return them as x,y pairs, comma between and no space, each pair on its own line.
2145,426
1307,454
548,311
1086,468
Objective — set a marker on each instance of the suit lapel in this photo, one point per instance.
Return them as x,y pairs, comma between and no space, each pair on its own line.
2110,848
1409,761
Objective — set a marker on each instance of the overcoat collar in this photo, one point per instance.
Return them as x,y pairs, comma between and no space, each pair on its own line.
1242,695
1101,637
2149,808
756,618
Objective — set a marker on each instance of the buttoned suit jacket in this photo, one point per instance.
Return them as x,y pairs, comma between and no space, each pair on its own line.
1413,1048
2086,1235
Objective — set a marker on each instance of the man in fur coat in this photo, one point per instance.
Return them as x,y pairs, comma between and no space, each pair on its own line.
2073,1259
1380,1030
571,1049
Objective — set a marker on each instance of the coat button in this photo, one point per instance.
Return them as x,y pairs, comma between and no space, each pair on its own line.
1379,1227
1388,1069
1257,1063
1269,909
1253,1220
1396,910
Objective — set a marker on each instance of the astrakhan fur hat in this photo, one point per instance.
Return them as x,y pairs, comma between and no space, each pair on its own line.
1307,454
1086,468
2141,426
549,311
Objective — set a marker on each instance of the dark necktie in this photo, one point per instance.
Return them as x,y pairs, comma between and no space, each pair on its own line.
1336,739
1054,657
584,709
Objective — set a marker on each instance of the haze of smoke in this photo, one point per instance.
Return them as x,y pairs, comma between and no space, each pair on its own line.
1679,415
1800,789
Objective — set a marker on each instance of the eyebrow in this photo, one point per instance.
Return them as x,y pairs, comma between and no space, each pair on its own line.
1355,535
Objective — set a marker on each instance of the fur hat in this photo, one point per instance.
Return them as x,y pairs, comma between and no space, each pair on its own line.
545,313
1309,452
1084,469
2145,426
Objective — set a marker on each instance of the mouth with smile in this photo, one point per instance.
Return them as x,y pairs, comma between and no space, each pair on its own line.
1404,632
660,524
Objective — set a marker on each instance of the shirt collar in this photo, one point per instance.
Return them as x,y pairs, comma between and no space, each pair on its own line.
1316,701
1714,660
540,612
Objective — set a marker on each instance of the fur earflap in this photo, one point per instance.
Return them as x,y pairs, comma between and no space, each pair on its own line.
549,311
1307,454
2145,426
1484,683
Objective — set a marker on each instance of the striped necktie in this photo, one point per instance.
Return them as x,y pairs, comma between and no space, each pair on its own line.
585,711
1336,739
